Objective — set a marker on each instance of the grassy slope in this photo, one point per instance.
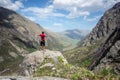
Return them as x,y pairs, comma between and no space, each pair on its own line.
79,55
9,62
67,42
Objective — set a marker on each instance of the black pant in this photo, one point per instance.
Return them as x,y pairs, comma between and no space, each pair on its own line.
42,43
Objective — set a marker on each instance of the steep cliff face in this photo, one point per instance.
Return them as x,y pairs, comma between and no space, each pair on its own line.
19,36
109,53
107,30
104,27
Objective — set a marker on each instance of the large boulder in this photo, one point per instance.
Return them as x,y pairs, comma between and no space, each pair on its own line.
34,60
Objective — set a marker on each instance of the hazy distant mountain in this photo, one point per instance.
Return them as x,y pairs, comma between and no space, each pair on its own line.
101,47
76,33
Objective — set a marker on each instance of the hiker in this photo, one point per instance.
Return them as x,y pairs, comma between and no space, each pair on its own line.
42,40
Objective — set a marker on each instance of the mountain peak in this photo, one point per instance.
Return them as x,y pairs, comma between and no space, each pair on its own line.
116,5
5,9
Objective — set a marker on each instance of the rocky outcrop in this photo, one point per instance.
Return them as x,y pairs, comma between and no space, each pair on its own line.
35,59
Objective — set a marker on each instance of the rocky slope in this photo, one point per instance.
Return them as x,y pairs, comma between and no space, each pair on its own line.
109,53
101,47
104,27
19,36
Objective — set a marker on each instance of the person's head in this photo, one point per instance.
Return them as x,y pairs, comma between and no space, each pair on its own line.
42,32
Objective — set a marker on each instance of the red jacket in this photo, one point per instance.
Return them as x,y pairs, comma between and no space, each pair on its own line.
42,36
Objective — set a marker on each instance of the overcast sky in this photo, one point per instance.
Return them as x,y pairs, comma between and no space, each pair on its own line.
59,15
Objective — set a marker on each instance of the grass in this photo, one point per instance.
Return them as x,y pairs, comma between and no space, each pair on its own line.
46,70
54,45
12,65
63,70
106,74
60,60
76,73
76,55
85,63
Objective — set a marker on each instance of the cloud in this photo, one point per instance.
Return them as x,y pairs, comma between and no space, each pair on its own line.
10,4
74,8
92,19
43,12
77,8
76,13
89,5
58,25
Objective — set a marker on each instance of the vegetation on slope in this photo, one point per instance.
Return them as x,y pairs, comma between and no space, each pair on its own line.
9,60
73,72
80,54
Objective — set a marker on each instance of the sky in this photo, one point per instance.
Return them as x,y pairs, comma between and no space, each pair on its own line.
60,15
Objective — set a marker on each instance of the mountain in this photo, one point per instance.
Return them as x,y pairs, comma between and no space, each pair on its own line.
19,36
101,47
108,53
76,34
104,27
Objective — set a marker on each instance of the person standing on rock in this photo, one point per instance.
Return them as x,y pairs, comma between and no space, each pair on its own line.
42,40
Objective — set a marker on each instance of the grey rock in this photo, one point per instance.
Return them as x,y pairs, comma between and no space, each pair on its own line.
108,54
1,59
30,78
34,60
13,54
